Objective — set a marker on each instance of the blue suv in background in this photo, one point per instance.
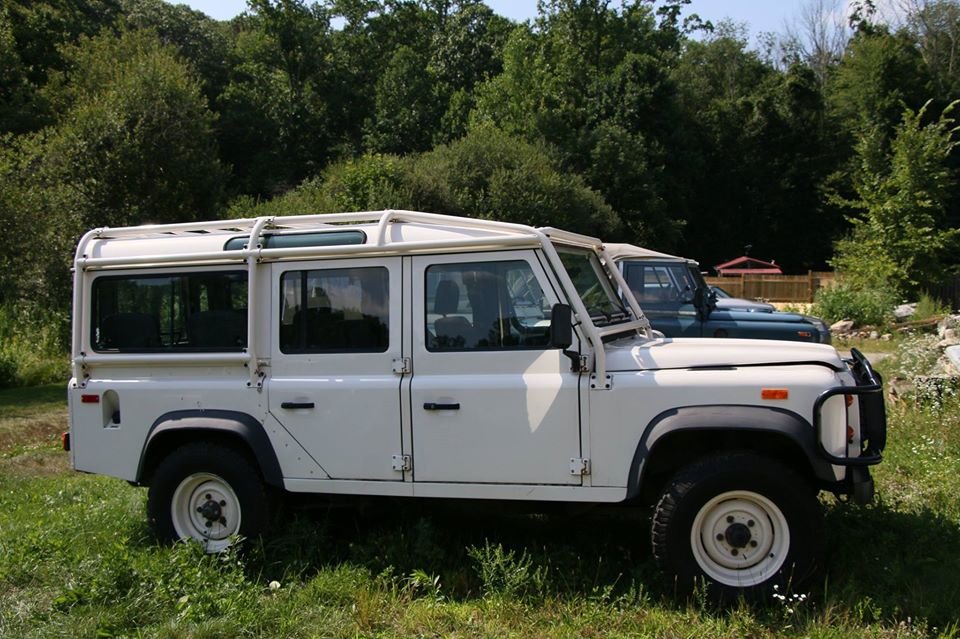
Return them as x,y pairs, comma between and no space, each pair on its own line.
677,301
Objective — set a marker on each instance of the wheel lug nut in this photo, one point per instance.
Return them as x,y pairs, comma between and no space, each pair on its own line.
729,519
223,502
208,524
750,523
199,509
734,552
207,496
753,543
719,536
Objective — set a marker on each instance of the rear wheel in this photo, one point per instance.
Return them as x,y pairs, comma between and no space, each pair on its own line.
739,522
209,493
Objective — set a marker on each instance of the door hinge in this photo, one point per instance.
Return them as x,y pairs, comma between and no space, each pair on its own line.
579,466
598,383
401,366
401,463
584,365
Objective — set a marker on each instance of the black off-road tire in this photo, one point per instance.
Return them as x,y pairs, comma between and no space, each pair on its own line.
731,489
190,465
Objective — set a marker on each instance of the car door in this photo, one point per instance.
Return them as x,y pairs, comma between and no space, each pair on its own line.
491,401
332,382
665,296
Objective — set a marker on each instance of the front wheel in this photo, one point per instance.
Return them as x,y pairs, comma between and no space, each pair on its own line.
739,522
209,493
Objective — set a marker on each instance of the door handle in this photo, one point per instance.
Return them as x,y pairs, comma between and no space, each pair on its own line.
293,405
433,406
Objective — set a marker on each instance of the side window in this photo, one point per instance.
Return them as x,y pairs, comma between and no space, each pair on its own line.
654,284
343,310
684,282
177,312
485,306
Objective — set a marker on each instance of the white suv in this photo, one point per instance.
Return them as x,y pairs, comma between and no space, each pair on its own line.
418,355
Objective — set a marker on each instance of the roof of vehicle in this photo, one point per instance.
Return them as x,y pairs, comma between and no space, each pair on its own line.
383,232
625,251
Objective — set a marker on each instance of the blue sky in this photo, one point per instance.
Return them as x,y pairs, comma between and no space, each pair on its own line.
760,15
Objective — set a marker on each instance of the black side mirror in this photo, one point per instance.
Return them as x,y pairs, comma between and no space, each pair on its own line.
561,326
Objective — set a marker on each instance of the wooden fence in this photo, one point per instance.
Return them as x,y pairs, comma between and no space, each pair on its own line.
948,292
774,288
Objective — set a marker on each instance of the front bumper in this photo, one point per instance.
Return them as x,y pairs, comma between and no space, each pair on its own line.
873,426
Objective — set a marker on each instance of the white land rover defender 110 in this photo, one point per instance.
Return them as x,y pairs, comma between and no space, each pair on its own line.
410,354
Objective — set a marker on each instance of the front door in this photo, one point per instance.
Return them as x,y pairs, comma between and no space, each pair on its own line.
491,402
332,384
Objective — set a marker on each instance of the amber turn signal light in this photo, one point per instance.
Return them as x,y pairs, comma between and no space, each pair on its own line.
774,393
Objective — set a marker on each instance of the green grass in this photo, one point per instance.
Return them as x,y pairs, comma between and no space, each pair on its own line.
77,559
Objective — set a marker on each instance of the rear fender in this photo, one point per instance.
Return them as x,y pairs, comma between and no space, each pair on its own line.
174,428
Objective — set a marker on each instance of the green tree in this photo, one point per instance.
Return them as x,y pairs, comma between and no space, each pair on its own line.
494,175
898,239
199,40
879,73
134,145
407,107
33,37
754,152
275,129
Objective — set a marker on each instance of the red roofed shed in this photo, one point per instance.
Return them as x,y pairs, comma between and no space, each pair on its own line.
747,265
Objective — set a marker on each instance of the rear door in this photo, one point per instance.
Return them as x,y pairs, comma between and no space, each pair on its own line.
332,381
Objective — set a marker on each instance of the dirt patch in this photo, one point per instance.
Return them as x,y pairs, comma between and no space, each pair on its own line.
36,463
41,429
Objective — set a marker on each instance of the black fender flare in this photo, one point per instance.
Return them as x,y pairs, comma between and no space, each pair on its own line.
233,423
742,418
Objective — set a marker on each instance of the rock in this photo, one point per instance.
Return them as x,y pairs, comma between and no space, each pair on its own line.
842,327
874,335
905,311
886,337
948,323
949,337
953,355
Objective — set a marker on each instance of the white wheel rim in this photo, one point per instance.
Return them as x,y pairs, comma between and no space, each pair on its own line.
740,538
204,507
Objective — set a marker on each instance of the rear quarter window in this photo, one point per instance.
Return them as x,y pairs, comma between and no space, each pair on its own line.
204,311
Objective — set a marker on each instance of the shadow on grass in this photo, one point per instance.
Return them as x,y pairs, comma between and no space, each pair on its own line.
600,551
30,398
906,563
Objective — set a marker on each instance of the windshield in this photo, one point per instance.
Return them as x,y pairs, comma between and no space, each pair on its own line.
594,287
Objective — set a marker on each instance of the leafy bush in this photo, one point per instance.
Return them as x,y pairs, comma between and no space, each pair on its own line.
928,306
865,306
32,346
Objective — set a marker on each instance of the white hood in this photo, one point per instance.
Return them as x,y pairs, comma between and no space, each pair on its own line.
699,352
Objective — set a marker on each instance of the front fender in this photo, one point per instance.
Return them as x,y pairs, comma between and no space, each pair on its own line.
727,418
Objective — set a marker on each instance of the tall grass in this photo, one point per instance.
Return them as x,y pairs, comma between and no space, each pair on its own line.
33,346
